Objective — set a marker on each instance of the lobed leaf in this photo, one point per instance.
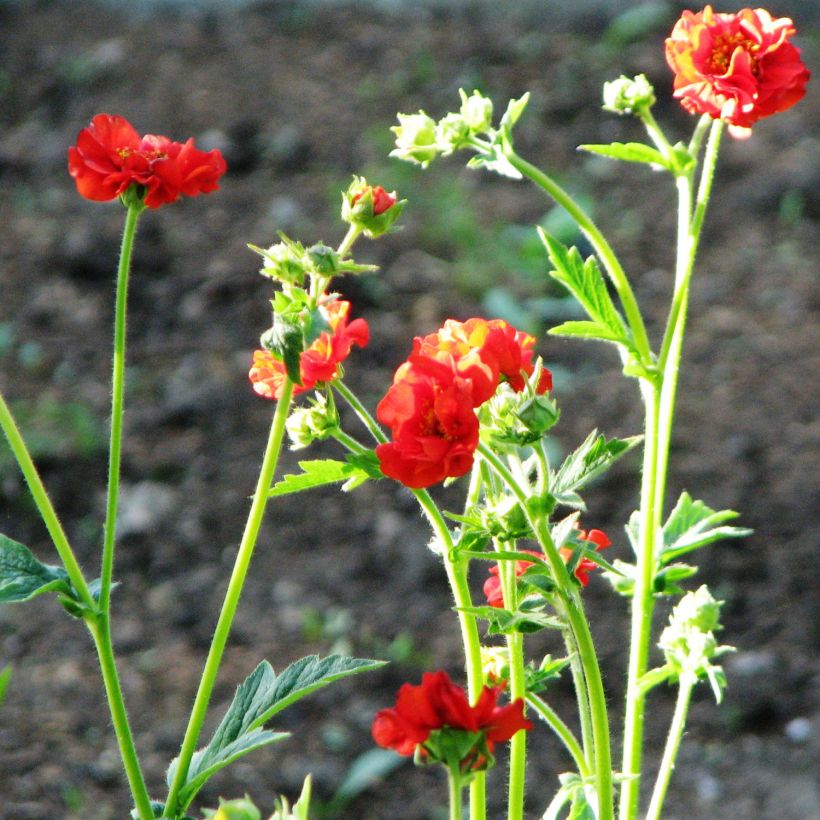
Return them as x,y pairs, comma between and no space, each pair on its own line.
353,472
629,152
23,577
594,456
258,698
692,525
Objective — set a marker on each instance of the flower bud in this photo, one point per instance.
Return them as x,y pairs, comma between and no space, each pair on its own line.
315,422
495,664
452,133
415,139
242,809
476,111
518,418
628,95
284,262
325,260
372,209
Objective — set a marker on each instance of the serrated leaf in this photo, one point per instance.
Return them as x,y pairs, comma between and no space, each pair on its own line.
583,278
692,525
586,330
320,472
629,152
594,456
495,161
23,577
504,621
258,698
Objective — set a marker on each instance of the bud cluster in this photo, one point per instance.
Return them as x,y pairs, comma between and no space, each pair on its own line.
629,95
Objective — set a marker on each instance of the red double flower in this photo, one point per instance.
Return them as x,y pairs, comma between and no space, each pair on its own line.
110,156
430,406
492,586
320,362
382,200
736,67
439,705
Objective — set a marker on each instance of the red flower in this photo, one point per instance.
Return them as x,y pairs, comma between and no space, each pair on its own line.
484,352
110,157
438,704
492,586
320,362
735,67
429,410
382,201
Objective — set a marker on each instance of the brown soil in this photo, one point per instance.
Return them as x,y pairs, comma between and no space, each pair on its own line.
299,99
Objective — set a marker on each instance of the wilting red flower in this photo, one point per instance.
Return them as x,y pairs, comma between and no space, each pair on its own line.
320,362
492,586
736,67
110,157
382,201
484,351
429,410
438,704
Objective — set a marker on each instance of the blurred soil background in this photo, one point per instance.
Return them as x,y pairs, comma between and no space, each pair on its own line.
300,96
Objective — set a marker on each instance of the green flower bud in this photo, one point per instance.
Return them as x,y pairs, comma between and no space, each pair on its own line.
415,139
242,809
628,95
452,133
284,261
325,260
370,208
476,111
315,422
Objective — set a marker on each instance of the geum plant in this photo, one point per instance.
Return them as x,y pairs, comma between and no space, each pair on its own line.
471,400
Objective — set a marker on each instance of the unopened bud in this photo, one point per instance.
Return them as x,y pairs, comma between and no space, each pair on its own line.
627,95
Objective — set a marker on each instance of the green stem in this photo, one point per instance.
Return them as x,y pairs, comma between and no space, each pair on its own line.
361,411
659,404
231,602
44,505
670,752
580,628
563,732
581,695
101,632
117,399
601,245
642,606
456,570
456,788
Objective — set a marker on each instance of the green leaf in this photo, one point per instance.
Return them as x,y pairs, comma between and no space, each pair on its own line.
586,330
5,677
258,698
593,457
692,525
23,577
505,621
515,108
366,770
587,284
353,472
629,152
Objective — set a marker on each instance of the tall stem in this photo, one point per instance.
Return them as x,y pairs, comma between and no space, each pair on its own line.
601,245
642,607
563,732
659,401
117,399
573,609
670,752
231,602
101,633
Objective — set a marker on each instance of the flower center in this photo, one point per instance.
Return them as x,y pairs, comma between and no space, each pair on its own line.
724,47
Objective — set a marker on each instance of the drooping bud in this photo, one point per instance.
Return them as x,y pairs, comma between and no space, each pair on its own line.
314,422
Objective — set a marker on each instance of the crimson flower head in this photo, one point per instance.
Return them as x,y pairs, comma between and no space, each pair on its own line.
425,715
492,586
320,362
110,157
737,67
429,410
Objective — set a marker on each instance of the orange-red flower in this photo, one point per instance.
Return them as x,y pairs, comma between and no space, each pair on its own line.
429,410
484,351
110,156
382,201
439,705
736,67
492,586
320,362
